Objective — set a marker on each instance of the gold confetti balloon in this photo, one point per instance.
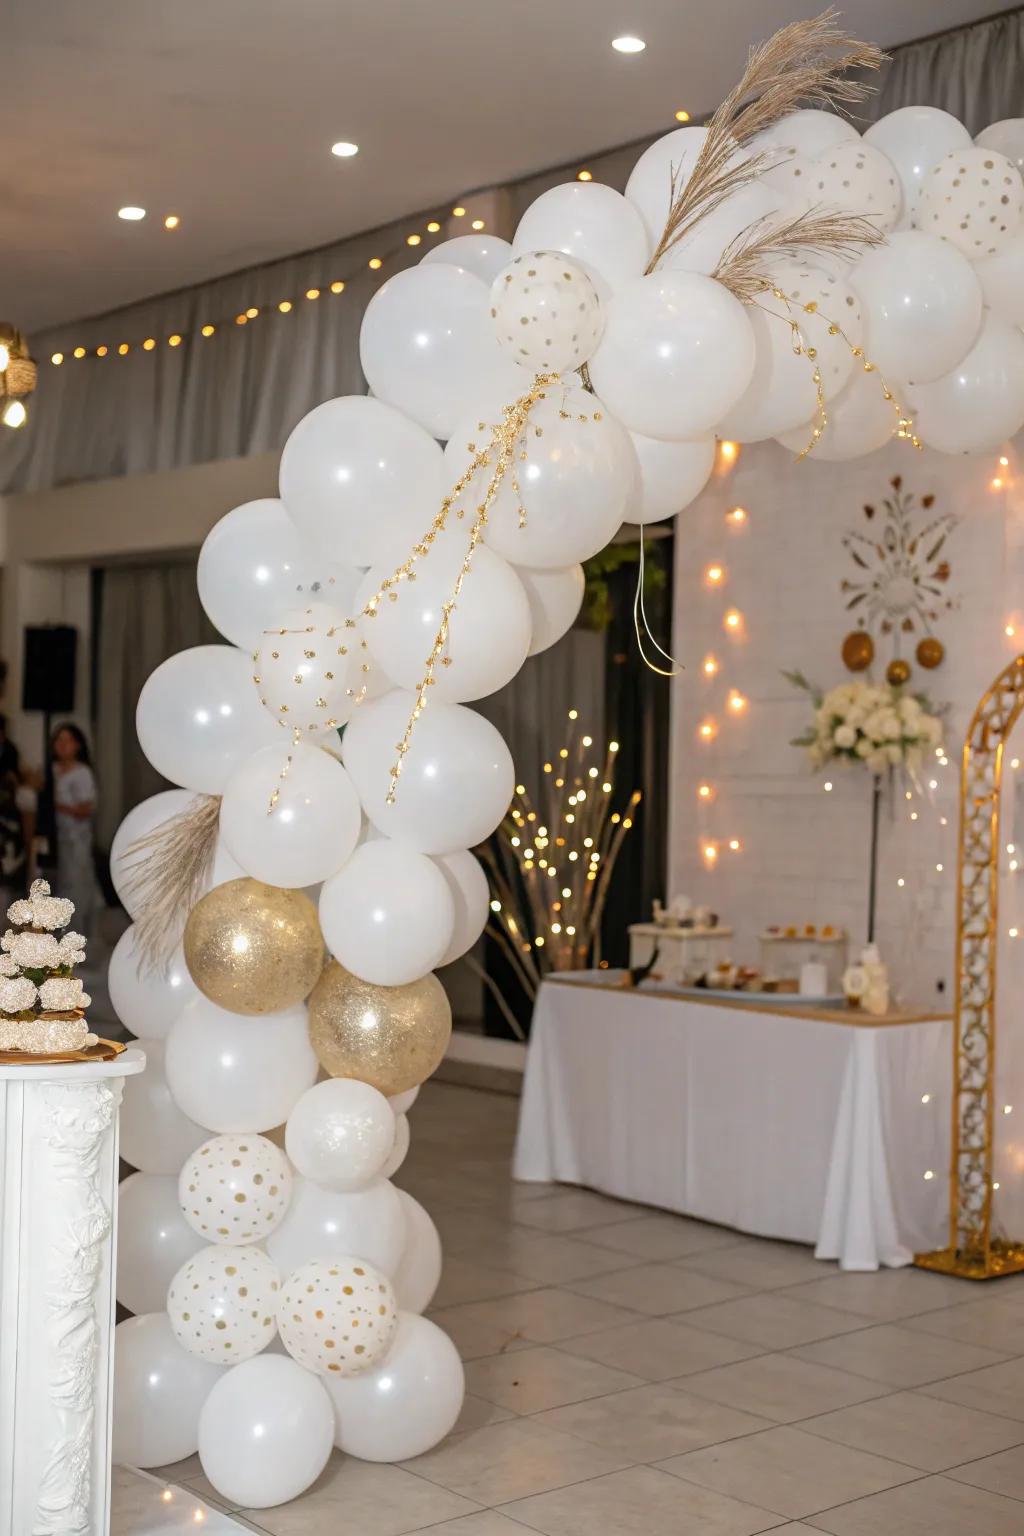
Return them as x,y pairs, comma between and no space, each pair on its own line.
337,1317
391,1037
254,948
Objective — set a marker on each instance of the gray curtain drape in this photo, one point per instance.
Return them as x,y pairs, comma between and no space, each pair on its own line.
142,615
241,391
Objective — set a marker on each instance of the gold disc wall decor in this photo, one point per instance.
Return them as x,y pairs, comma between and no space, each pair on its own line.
930,652
858,650
897,672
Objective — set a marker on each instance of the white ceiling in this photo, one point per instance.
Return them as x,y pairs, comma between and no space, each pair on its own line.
223,111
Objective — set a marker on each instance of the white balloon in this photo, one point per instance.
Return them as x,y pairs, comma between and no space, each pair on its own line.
700,250
153,1240
324,1224
360,479
265,1432
428,347
981,402
677,353
400,1150
974,198
147,1002
555,599
489,629
915,139
222,1304
546,312
253,565
139,822
419,1269
303,668
1007,137
155,1136
199,717
921,303
1002,281
340,1134
483,255
388,916
649,187
782,392
159,1390
671,475
860,419
467,885
312,827
576,481
856,178
809,132
230,1072
408,1404
457,776
235,1189
337,1316
590,222
401,1103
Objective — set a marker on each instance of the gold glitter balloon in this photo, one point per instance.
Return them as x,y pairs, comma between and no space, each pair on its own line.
390,1037
254,948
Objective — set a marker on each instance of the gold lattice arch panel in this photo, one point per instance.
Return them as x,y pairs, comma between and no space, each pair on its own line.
972,1250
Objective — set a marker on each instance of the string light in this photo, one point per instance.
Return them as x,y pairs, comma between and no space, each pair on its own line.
1012,932
901,882
338,286
728,452
705,792
458,213
733,620
477,224
682,116
375,263
413,239
827,786
172,221
285,306
57,358
929,1174
80,351
584,176
737,701
737,515
710,666
707,730
734,844
926,1098
312,293
710,853
208,330
1004,461
433,227
997,482
102,351
713,575
147,346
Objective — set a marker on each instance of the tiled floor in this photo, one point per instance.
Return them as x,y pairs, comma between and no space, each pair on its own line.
631,1373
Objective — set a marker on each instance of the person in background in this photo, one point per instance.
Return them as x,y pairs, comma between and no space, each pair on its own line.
74,804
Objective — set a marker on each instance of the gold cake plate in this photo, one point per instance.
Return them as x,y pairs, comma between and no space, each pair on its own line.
103,1050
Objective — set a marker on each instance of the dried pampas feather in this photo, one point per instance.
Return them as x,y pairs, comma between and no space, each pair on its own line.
806,64
168,870
744,265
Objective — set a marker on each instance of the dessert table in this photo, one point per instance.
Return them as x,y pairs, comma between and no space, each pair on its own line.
778,1118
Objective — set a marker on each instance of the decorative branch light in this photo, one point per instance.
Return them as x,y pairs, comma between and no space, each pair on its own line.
550,868
17,376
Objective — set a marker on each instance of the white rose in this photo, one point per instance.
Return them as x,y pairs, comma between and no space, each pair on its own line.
863,747
845,737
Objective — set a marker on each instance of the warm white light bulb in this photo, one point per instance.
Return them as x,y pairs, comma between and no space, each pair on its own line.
628,44
14,414
344,149
131,214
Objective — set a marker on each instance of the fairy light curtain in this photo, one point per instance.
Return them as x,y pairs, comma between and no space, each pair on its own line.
240,391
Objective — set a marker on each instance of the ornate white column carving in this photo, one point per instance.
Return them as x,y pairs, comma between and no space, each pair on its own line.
58,1187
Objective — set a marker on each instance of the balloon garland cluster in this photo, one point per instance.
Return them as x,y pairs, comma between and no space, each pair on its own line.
770,275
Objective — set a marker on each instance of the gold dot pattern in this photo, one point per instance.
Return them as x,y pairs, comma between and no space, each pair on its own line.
235,1189
337,1317
974,198
222,1304
546,312
303,669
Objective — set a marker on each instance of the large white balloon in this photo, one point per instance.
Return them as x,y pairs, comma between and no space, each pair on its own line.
981,402
408,1404
555,599
305,668
312,826
153,1240
483,255
156,1137
428,347
1002,281
677,353
324,1224
229,1072
856,178
199,717
140,821
337,1316
574,481
489,628
921,303
159,1390
547,312
235,1189
253,565
419,1269
1007,137
360,479
915,139
400,1150
147,1002
590,222
649,187
973,198
341,1133
700,248
860,419
467,885
457,776
671,475
265,1432
222,1304
809,132
388,916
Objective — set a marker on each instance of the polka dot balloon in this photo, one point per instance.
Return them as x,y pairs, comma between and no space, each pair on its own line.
858,179
974,198
546,312
303,669
337,1316
222,1304
235,1189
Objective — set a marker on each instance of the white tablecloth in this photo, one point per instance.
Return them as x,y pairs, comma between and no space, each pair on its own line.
815,1129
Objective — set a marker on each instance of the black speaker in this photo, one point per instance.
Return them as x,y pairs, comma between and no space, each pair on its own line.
49,676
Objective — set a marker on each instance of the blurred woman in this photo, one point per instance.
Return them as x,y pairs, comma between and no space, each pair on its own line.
74,803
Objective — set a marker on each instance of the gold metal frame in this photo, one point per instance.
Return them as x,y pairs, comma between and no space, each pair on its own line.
973,1252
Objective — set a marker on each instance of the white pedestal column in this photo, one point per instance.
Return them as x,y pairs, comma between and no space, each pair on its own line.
58,1185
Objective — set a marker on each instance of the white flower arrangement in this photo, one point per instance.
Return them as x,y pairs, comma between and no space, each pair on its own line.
32,951
879,725
41,910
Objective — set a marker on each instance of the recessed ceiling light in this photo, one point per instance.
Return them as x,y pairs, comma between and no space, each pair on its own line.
682,116
131,214
172,221
628,44
344,150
